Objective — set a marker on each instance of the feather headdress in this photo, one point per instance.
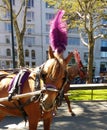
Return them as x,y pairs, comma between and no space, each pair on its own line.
77,58
58,33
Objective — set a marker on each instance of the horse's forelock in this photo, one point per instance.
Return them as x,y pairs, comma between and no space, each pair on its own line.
56,69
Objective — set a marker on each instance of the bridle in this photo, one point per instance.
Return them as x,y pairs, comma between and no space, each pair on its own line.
50,87
59,97
83,71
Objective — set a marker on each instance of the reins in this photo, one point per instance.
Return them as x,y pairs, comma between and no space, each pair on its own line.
61,91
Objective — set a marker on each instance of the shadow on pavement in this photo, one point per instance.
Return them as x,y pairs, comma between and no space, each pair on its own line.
89,116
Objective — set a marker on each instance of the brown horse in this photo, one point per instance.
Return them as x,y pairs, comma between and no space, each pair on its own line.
39,107
73,71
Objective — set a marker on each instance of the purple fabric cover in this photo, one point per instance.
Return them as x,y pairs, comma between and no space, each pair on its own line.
58,33
24,77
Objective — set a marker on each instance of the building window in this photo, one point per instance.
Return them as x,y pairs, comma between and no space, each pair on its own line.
49,16
103,54
3,64
47,55
72,61
103,48
30,16
48,6
30,29
47,27
73,41
86,57
47,39
8,52
33,54
7,38
8,27
104,31
73,30
103,43
26,53
104,21
15,52
13,2
103,66
27,63
8,64
29,41
31,3
7,15
33,64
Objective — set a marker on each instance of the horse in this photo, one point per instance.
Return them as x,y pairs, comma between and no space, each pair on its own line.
73,71
39,107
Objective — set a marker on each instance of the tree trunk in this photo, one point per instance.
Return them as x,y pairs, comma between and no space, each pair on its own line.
90,58
20,51
19,38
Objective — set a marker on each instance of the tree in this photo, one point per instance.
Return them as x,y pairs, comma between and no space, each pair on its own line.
87,16
19,31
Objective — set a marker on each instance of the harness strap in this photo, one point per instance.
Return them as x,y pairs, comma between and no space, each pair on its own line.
20,107
38,76
61,92
37,79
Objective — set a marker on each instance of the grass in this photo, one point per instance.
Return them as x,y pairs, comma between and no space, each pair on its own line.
88,94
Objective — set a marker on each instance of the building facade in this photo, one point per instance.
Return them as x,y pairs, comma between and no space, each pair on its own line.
36,39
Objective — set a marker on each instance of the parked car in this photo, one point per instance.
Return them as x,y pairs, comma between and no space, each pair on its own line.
78,80
100,79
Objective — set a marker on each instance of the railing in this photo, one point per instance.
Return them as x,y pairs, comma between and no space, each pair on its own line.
88,87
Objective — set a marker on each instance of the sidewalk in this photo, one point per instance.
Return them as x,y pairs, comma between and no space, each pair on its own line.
89,116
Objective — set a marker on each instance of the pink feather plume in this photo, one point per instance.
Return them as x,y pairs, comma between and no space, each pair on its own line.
78,59
58,33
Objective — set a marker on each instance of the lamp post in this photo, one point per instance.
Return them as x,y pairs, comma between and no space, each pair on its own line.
41,30
12,33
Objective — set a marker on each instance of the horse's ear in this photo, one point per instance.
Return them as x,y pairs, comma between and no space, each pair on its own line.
50,53
68,58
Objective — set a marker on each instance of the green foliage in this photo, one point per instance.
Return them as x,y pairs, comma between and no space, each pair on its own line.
78,12
86,15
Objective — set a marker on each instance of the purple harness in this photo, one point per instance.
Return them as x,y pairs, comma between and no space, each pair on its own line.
17,83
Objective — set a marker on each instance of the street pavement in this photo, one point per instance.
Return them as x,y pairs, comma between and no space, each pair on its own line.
89,116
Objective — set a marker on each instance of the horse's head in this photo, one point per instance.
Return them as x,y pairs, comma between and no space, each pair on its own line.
82,73
74,71
53,74
81,69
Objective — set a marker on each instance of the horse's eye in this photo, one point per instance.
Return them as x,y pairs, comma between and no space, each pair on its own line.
43,75
64,78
